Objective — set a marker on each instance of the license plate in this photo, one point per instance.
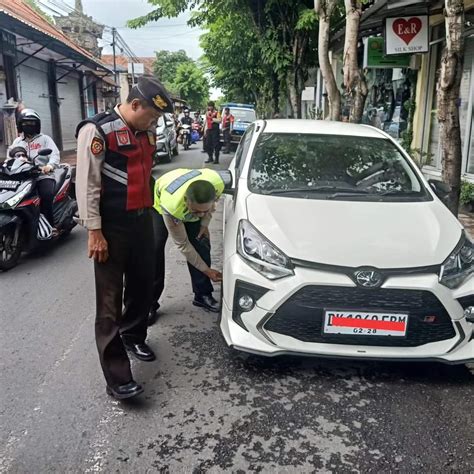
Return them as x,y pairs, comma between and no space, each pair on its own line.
6,184
362,323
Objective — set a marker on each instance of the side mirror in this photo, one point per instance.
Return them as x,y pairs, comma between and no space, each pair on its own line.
226,176
441,189
45,152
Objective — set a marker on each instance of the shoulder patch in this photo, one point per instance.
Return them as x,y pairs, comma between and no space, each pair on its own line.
97,146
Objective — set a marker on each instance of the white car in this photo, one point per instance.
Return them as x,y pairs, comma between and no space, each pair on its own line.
337,246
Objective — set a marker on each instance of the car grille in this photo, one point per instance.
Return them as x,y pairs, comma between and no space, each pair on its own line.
302,316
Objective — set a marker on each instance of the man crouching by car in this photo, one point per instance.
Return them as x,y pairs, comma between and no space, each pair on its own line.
184,204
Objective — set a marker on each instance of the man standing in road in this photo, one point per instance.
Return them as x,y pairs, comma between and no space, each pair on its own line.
213,144
114,160
184,203
227,125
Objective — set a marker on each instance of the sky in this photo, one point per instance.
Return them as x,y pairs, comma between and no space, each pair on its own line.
170,34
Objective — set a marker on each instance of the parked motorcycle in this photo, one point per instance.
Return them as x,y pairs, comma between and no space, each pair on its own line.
22,226
185,135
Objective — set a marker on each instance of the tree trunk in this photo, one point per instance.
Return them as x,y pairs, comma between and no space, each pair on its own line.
275,94
324,9
448,95
354,79
294,94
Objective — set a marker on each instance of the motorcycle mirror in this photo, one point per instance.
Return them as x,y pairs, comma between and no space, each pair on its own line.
45,152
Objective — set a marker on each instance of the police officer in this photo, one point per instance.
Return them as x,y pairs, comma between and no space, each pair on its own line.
212,134
114,161
184,203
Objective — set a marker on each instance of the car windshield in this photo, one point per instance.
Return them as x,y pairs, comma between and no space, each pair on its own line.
332,167
244,115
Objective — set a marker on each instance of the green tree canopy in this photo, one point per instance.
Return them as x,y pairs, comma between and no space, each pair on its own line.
167,63
192,85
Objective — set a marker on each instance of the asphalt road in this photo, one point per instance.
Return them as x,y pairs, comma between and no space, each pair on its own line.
204,409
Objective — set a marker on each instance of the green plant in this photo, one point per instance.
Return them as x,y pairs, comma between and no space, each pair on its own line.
467,193
420,157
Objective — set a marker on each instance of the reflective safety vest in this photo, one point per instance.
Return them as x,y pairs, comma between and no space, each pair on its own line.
170,191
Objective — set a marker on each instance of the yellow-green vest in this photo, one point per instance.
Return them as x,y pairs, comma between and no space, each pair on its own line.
170,191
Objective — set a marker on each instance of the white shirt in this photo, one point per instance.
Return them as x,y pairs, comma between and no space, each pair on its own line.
33,146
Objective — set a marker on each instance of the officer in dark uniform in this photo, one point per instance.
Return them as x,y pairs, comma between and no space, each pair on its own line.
114,161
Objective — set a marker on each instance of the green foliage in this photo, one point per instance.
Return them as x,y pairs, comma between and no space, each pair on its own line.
253,47
33,4
167,63
191,84
420,157
467,193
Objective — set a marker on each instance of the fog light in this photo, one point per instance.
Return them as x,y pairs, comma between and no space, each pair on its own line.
469,314
246,302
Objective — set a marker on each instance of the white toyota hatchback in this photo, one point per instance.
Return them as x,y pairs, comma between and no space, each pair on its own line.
337,246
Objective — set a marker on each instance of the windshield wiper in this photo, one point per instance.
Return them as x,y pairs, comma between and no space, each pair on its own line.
318,189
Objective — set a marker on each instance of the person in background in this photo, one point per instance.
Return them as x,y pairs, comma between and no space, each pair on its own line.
32,140
213,142
227,126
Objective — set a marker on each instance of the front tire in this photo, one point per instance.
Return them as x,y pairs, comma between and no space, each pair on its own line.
10,246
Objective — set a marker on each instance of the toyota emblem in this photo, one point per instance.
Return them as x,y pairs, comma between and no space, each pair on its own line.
368,278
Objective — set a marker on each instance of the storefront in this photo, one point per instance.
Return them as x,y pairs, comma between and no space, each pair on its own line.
426,128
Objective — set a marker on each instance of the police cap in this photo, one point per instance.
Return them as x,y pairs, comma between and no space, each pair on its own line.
155,94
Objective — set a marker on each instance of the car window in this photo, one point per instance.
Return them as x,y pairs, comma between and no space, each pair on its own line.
242,150
244,115
332,166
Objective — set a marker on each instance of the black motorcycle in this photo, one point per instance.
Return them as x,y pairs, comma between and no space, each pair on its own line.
22,226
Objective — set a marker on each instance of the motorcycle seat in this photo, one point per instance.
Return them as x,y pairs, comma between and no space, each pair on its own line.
60,176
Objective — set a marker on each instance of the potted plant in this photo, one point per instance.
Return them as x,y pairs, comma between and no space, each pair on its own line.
466,197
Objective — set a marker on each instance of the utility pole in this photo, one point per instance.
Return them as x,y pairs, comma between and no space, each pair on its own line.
114,38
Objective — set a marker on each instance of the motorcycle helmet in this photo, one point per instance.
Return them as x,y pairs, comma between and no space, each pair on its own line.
29,122
186,112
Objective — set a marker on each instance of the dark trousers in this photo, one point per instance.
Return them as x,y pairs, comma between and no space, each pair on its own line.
202,285
45,189
130,265
227,137
213,144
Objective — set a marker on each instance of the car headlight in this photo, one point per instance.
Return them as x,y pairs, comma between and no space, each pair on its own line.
261,254
459,265
15,200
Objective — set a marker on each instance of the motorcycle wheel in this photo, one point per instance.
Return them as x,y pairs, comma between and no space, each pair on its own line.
10,246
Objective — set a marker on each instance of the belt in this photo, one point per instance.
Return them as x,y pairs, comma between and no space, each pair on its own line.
138,212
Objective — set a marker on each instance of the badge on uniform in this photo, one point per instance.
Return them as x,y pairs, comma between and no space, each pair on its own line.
97,146
123,138
151,138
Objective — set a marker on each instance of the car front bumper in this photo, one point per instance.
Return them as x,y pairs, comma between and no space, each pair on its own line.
285,319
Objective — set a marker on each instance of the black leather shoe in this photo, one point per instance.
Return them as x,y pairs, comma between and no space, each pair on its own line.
153,314
141,351
207,302
129,390
208,161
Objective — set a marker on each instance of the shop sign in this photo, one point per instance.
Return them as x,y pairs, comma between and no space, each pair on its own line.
374,55
407,34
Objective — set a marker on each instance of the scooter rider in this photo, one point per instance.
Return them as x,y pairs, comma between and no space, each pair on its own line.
32,140
186,120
